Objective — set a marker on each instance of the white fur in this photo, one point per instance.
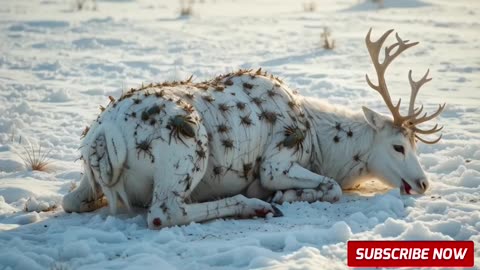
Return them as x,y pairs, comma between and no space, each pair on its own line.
249,138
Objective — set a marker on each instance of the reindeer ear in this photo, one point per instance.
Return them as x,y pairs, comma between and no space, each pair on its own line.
376,120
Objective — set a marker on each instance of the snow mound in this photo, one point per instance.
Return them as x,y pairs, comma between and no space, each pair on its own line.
470,178
58,96
10,165
34,205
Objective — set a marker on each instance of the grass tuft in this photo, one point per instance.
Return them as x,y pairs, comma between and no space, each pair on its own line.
186,9
35,158
73,186
328,43
83,5
380,3
309,6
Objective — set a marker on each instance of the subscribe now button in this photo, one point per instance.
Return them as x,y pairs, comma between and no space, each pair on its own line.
410,253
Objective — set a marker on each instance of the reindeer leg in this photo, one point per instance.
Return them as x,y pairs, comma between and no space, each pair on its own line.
300,195
278,175
181,213
179,170
84,198
171,208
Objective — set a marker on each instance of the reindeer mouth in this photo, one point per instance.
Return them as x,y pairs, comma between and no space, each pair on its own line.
407,187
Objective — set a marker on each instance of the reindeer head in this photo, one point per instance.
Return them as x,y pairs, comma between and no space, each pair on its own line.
394,159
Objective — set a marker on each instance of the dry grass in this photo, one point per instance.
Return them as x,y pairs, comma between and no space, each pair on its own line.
83,5
60,266
328,43
79,4
35,158
73,186
309,6
380,3
186,8
186,11
12,138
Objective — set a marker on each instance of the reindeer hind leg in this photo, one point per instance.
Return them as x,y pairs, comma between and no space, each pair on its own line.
84,198
179,169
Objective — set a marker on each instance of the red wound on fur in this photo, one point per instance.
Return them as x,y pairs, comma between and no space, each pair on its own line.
157,222
261,212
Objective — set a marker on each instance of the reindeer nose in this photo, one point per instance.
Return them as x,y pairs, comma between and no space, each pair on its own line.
422,184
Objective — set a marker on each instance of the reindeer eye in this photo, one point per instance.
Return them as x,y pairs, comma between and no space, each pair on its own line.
399,148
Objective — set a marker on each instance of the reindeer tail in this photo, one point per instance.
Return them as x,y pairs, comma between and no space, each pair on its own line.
105,159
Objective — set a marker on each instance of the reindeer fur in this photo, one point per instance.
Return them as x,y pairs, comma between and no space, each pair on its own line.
225,147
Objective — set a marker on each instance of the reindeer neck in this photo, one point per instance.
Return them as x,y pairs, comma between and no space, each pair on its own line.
344,142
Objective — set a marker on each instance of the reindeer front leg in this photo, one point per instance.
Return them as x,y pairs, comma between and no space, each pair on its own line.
280,175
299,195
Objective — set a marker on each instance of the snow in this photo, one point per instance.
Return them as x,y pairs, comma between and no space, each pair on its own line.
470,178
57,65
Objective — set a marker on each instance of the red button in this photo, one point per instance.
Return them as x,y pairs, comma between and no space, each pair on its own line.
410,253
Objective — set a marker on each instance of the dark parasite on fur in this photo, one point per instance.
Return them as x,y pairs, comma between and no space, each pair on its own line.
181,125
294,137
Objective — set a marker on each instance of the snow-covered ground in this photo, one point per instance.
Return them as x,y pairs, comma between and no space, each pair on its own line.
58,65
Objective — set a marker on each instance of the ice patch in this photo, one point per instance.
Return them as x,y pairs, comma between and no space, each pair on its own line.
76,234
23,107
448,164
14,194
470,178
34,205
89,43
450,228
58,96
6,208
77,249
27,218
10,165
48,24
14,260
367,5
418,231
391,228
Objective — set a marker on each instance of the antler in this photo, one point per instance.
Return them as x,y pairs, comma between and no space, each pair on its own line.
374,51
410,120
415,87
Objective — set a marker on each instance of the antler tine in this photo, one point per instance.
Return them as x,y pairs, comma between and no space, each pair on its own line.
426,118
415,88
378,44
418,110
402,46
429,142
374,48
388,49
410,118
429,131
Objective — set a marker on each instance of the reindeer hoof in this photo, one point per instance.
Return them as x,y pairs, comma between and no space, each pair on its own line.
269,213
276,211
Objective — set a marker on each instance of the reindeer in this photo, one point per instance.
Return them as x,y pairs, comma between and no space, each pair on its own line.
232,146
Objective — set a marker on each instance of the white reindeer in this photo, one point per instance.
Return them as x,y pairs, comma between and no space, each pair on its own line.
233,145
